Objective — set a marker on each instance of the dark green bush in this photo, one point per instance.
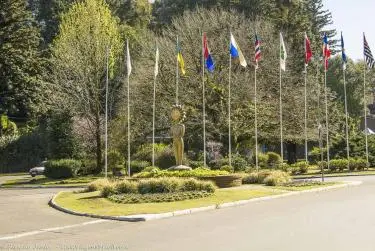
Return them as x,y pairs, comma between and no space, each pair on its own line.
262,160
302,167
195,164
339,164
64,168
227,168
114,159
144,152
196,185
126,186
252,178
285,167
88,167
108,190
239,164
165,159
361,164
137,166
162,185
274,159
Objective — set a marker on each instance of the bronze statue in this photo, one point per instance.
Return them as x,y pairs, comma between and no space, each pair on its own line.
177,132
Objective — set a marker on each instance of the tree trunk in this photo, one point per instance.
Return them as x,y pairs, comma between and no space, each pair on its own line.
98,143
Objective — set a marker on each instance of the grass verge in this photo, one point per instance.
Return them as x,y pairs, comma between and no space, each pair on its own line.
307,186
317,174
13,174
44,181
93,204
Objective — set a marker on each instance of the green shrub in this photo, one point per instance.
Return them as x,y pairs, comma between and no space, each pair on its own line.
302,167
119,170
137,166
64,168
198,172
125,186
322,164
97,185
361,164
195,164
274,160
252,178
166,159
239,164
144,152
285,167
339,164
88,167
162,185
262,160
196,185
151,169
227,168
158,197
114,159
108,189
277,178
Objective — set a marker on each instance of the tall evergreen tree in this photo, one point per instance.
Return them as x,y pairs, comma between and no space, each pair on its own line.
19,59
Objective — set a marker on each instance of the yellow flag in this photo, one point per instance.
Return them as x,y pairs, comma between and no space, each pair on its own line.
181,61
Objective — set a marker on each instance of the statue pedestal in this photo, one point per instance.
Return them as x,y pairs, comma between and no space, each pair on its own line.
179,168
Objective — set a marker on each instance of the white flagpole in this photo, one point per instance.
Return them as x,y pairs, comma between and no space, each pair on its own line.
305,129
256,117
346,116
229,112
154,106
204,105
326,106
177,76
128,100
281,107
106,115
364,107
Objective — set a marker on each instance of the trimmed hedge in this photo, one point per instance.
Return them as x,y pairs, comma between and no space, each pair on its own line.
270,178
198,172
63,168
157,197
151,186
274,160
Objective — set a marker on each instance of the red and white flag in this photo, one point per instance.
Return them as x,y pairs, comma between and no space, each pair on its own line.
308,52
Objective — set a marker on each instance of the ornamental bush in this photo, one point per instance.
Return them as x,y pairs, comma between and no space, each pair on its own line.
252,178
338,164
301,167
126,186
273,160
227,168
277,178
137,166
97,185
162,185
63,168
262,160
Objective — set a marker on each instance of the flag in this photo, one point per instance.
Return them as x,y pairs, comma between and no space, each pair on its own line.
257,50
283,54
367,53
157,62
343,54
326,51
308,51
128,63
236,52
207,55
180,59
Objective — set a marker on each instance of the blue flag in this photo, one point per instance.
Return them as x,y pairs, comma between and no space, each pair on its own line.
343,54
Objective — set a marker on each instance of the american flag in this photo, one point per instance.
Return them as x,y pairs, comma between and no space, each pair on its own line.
257,50
367,53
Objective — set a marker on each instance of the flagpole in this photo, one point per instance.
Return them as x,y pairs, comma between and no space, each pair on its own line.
326,108
346,116
256,117
229,112
364,107
153,110
106,114
177,76
204,104
128,108
305,129
281,108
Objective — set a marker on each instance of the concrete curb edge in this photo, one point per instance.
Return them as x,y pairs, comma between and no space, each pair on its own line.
147,217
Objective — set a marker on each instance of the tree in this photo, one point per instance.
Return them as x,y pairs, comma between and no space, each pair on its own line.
78,60
20,63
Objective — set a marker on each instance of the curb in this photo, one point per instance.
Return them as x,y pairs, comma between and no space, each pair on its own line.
147,217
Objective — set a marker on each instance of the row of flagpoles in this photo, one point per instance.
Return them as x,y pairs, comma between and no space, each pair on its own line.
235,52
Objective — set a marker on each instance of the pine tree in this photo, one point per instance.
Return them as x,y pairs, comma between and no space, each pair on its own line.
19,59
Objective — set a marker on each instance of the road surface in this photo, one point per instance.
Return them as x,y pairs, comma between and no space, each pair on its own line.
342,219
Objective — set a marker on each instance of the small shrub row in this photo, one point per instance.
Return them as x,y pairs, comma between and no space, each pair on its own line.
63,168
270,178
157,197
198,172
150,186
342,164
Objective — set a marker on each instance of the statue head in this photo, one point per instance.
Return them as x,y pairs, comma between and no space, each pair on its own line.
178,114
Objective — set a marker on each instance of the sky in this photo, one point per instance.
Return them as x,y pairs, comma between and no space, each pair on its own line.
353,18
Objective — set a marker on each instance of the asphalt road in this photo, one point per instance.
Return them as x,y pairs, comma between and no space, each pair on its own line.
342,219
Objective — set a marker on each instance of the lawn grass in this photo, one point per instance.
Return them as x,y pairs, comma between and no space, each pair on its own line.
44,181
13,174
93,204
316,173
